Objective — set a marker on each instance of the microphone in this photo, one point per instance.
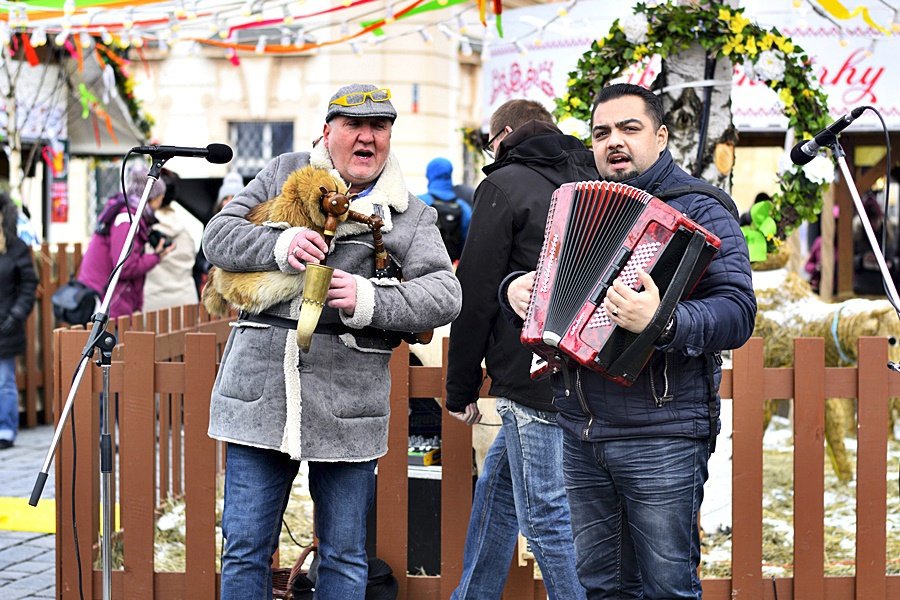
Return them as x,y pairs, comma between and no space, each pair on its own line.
218,154
807,150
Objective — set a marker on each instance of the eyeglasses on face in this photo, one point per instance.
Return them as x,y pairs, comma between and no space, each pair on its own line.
357,98
489,146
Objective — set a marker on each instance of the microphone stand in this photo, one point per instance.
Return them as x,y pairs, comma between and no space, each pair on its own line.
890,288
104,341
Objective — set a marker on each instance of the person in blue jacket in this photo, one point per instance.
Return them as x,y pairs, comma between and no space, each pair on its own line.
454,213
635,458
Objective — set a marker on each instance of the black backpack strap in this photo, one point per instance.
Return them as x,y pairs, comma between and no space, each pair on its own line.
705,189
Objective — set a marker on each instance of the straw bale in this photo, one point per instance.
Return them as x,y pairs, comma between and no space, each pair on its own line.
789,309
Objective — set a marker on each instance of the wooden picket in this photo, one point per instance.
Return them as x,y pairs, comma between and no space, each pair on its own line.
54,266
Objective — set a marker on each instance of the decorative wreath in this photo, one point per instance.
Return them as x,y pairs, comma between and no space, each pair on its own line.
125,83
767,57
473,144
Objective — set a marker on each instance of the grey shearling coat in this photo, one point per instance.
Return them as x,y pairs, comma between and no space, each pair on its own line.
331,404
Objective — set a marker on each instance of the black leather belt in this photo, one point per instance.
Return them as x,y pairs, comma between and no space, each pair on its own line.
324,328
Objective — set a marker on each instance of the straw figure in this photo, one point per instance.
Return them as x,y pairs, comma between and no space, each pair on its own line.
793,310
300,204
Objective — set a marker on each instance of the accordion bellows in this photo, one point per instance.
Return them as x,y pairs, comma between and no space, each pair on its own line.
597,232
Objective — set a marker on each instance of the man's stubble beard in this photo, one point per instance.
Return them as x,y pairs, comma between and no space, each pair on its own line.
619,177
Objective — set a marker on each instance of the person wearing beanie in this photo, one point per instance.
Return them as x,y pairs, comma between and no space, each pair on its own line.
171,282
231,185
453,211
109,238
18,285
274,406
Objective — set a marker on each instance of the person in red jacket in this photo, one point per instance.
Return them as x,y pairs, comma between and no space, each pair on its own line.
109,238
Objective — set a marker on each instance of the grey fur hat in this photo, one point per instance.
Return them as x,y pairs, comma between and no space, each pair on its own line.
368,109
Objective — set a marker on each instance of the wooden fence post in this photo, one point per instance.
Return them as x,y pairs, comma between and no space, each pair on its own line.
871,466
85,415
747,470
809,465
392,508
45,309
137,449
456,489
200,468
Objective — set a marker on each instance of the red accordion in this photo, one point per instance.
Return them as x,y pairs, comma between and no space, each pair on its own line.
597,232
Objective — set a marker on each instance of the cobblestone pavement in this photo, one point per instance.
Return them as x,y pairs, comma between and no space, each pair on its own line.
27,560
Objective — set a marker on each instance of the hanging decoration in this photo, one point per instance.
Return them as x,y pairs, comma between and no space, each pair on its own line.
766,56
54,158
30,54
836,9
91,108
308,45
424,8
135,23
124,84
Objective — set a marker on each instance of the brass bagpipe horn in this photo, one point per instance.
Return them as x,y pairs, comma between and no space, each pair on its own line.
318,276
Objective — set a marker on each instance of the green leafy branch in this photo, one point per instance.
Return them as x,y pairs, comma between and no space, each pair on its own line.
767,56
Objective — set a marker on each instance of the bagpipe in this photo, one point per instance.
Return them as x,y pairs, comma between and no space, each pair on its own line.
597,232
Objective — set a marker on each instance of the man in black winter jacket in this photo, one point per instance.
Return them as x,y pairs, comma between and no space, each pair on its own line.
635,458
521,486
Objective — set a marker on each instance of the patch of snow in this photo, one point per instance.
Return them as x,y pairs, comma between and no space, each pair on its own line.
772,571
715,511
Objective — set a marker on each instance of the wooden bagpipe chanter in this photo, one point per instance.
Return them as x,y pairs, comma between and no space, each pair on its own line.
597,232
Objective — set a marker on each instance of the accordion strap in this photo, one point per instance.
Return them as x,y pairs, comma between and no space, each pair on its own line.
666,304
706,189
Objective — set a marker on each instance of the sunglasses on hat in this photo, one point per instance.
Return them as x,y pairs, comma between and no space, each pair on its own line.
357,98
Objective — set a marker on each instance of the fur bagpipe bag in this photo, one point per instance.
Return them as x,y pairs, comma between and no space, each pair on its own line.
314,198
300,204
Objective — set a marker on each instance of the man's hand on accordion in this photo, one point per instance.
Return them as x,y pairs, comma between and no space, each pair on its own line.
519,293
627,308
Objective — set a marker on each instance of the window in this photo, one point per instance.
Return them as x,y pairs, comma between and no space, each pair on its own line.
255,143
106,183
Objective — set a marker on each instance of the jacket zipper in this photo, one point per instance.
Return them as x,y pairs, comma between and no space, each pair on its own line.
585,433
666,397
579,393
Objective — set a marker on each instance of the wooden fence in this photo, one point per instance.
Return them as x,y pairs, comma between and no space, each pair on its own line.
180,367
55,265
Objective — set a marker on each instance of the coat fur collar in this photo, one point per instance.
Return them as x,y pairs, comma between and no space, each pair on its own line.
390,192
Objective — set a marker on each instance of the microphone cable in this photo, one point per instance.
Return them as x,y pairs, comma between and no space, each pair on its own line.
886,203
88,350
887,193
886,223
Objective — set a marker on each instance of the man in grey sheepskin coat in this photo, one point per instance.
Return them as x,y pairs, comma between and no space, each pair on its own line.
275,406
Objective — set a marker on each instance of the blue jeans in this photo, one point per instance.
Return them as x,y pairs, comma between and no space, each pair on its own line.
634,513
521,488
9,400
257,489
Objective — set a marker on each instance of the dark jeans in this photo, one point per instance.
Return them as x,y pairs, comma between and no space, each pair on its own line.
257,488
634,506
